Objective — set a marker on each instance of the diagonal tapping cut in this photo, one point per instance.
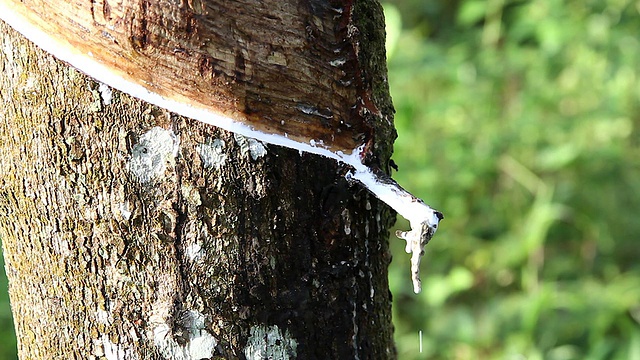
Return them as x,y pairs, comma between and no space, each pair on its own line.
191,76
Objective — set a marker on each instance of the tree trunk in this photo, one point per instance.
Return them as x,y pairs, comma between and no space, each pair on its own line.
132,233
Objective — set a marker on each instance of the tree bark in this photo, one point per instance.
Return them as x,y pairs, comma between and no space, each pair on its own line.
132,233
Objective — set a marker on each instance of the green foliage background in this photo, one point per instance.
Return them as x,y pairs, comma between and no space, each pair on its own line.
8,348
519,120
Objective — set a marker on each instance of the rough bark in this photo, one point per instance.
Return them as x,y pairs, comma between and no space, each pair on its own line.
129,232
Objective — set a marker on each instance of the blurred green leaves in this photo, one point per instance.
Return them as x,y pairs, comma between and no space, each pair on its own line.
8,348
519,120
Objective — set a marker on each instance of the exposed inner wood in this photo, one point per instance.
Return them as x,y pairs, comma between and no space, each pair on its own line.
245,67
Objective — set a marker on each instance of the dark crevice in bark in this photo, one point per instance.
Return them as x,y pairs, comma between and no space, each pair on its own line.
179,229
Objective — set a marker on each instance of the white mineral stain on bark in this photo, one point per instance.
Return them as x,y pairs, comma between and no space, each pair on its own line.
105,93
268,342
125,210
193,251
212,154
105,348
149,157
103,317
346,217
250,146
30,85
60,245
196,343
354,337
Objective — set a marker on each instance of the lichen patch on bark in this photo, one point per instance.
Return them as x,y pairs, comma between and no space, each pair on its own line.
212,153
150,156
269,342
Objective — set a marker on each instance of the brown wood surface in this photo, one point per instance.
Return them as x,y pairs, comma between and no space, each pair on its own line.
288,67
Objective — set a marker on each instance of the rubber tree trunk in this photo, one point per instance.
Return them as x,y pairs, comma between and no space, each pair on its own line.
132,233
